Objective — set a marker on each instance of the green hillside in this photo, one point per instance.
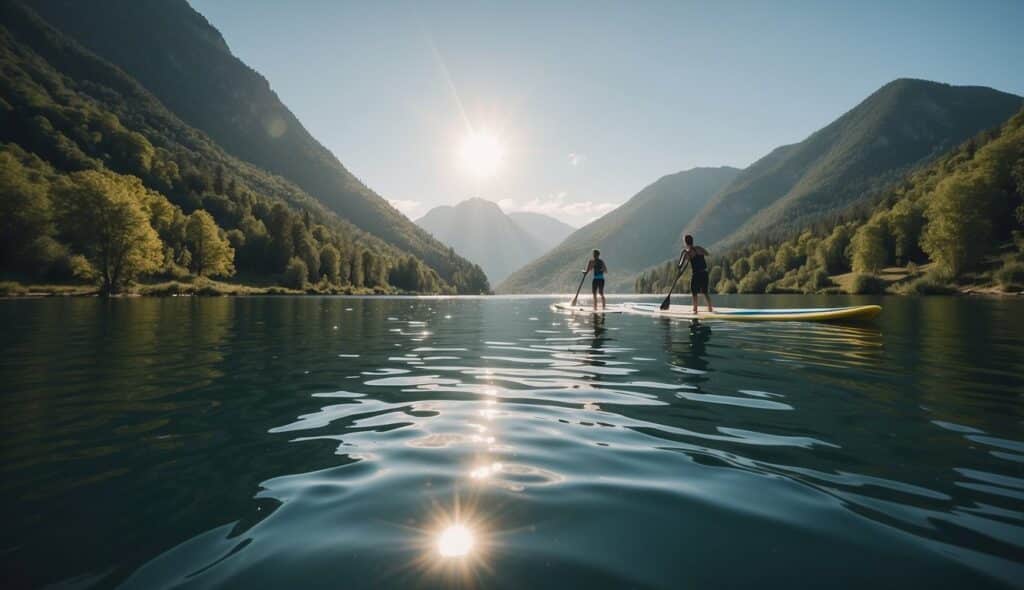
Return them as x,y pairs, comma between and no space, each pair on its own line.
184,62
960,217
900,126
479,230
632,237
75,125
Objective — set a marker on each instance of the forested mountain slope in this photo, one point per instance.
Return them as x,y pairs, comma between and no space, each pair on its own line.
961,216
902,125
73,124
181,59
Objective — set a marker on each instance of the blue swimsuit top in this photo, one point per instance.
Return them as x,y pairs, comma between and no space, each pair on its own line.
599,269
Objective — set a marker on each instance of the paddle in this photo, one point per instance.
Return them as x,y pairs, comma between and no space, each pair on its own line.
583,278
665,304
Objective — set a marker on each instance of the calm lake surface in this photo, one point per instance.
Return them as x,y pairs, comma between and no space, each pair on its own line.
334,442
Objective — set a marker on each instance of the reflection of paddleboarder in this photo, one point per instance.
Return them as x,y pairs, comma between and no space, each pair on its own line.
599,338
699,336
599,267
596,353
691,354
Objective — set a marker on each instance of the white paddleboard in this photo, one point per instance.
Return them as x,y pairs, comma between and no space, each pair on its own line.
807,314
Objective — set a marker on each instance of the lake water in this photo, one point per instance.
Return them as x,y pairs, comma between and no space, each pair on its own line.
366,443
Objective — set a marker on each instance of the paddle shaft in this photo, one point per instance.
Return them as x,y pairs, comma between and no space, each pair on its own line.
666,303
577,296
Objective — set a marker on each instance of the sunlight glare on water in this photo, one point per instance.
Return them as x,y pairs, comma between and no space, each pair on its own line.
456,540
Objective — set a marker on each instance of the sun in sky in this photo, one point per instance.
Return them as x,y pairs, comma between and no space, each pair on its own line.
481,154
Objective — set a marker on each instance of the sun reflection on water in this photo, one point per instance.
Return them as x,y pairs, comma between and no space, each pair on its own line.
455,541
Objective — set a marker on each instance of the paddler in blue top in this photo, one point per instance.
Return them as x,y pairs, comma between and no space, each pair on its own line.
699,266
599,268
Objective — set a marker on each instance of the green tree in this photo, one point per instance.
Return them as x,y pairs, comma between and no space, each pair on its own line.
307,249
754,282
212,254
868,246
740,268
760,259
715,275
102,214
787,257
374,272
330,264
356,267
25,213
296,275
817,281
1018,178
905,222
959,226
281,245
831,254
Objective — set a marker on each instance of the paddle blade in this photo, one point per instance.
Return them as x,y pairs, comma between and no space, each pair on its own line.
665,304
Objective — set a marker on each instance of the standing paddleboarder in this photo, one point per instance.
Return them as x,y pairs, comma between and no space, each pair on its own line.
597,286
699,265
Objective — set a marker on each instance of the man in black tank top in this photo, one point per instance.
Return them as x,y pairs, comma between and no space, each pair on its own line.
699,265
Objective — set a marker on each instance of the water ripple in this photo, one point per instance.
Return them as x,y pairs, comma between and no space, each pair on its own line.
329,442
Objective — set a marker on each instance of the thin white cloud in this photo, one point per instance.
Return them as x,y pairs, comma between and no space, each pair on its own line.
576,159
574,213
411,208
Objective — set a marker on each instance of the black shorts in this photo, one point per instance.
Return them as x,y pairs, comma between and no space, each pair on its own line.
597,284
699,282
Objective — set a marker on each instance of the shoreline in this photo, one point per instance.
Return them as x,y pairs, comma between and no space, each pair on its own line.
205,288
22,291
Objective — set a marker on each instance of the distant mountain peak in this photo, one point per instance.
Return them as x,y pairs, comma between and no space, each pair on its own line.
479,230
479,203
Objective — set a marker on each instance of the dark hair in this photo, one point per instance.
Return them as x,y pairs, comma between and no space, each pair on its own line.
597,252
688,239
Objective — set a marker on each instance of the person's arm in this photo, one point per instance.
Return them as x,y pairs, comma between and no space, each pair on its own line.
682,257
590,265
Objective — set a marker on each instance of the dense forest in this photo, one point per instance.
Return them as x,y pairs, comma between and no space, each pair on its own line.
957,221
102,184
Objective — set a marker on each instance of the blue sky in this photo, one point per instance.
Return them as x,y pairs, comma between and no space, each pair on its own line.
592,101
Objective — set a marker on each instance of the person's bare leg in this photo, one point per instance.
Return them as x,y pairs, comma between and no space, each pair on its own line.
708,297
593,297
696,298
604,303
